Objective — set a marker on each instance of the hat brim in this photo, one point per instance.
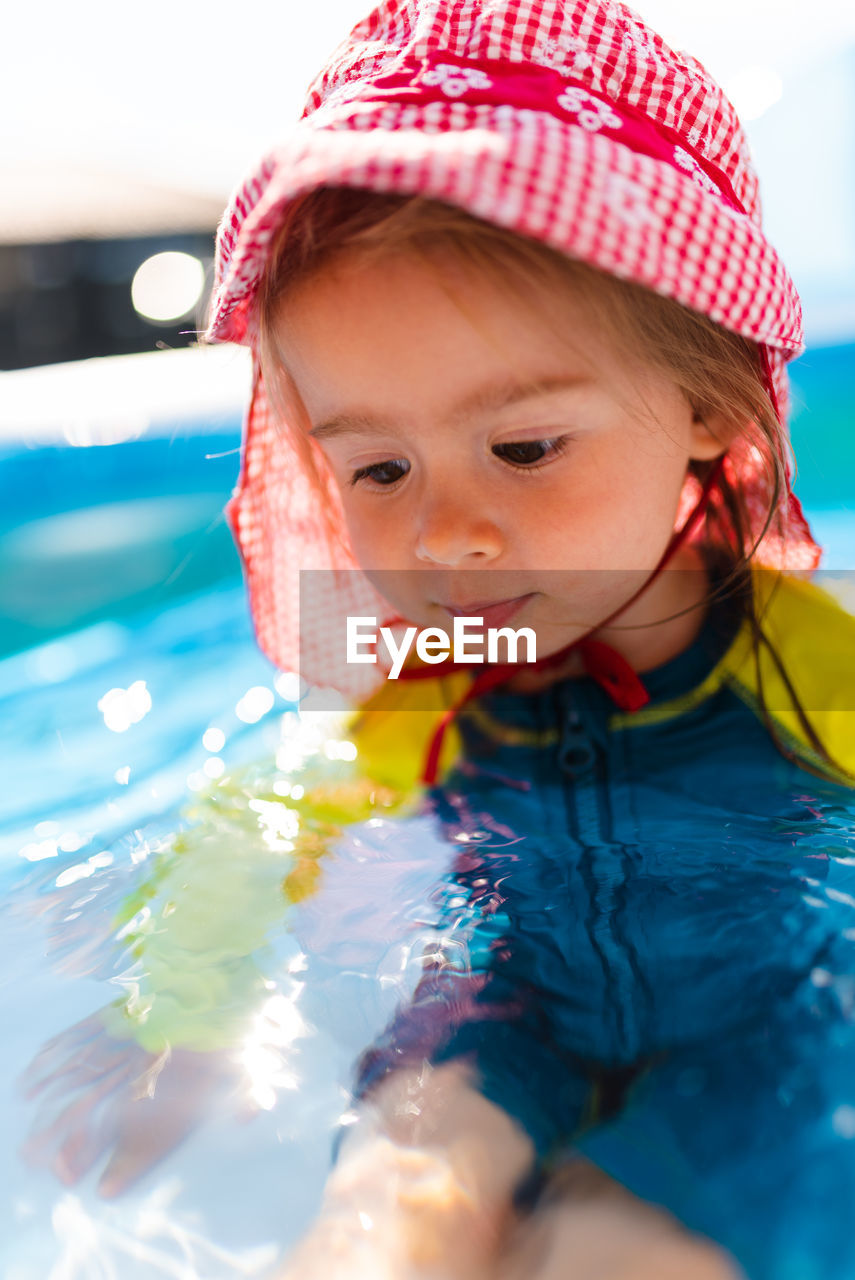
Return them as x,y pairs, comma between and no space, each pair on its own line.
585,194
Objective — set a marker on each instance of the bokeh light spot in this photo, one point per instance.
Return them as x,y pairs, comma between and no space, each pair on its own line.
167,286
254,704
213,740
123,707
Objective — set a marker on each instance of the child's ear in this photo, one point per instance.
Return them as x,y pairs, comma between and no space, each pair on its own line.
711,433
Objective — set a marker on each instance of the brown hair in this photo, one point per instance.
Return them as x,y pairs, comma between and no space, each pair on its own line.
720,373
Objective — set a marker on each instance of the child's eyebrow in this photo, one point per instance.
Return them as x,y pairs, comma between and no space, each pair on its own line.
488,399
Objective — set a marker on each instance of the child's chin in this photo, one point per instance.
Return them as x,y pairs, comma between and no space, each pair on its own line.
533,679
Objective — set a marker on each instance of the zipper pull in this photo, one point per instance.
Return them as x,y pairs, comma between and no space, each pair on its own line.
576,751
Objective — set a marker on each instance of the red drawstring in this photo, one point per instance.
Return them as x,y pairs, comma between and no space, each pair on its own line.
613,673
602,663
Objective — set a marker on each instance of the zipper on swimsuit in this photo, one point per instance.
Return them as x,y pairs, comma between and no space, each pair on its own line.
577,756
583,762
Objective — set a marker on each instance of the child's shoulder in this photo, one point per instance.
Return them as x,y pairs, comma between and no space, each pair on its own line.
806,648
813,630
394,728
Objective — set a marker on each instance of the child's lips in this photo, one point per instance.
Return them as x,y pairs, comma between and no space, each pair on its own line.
493,613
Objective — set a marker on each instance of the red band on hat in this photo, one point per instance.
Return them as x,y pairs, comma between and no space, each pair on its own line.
531,87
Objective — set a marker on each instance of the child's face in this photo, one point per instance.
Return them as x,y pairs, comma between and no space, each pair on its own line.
470,432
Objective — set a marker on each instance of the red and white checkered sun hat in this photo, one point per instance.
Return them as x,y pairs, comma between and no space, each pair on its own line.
567,121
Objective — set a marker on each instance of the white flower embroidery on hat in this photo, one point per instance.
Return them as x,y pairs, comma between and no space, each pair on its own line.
640,42
454,81
566,54
690,164
699,138
591,113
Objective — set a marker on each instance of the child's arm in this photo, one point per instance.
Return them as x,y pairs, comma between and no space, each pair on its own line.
423,1191
422,1186
592,1228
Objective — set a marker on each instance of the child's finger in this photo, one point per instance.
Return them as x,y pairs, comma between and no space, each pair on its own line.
80,1073
81,1151
68,1045
147,1134
57,1144
61,1104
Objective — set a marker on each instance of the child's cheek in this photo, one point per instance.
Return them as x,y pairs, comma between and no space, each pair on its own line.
599,521
375,536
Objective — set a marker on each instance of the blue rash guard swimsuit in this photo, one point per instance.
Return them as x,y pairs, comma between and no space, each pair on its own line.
646,951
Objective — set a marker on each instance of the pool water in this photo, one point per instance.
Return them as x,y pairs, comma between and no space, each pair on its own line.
108,531
130,690
87,809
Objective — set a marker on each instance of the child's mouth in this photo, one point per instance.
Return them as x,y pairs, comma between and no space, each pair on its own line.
493,613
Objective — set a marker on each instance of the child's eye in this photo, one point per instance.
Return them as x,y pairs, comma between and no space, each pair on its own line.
382,473
529,453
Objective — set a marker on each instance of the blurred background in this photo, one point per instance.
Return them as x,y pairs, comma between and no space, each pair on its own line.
122,132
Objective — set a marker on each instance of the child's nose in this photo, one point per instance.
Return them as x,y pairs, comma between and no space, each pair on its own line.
452,530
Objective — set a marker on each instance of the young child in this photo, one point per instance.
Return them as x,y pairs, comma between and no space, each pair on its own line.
520,349
519,352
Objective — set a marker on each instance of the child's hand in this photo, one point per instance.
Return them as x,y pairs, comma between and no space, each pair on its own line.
422,1188
594,1229
99,1096
404,1219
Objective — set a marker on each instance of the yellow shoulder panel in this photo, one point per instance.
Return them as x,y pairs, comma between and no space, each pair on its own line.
394,729
814,636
